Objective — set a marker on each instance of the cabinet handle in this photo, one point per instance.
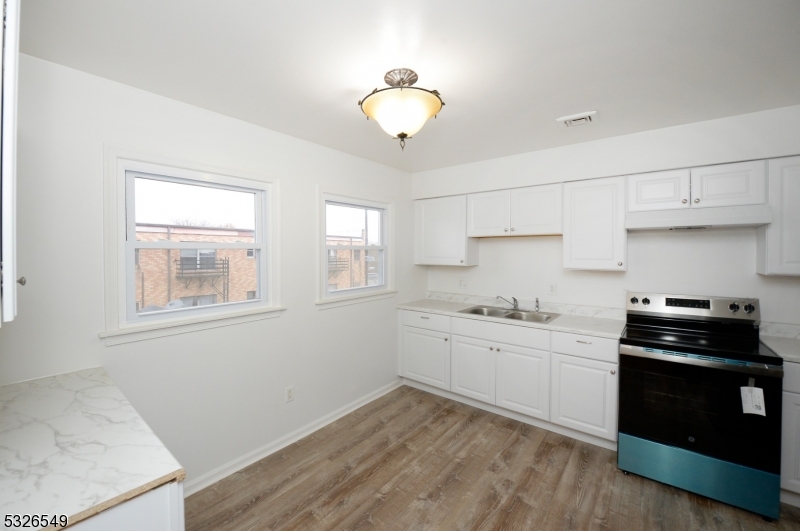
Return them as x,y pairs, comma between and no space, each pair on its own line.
619,264
424,317
513,229
491,348
446,339
584,342
21,281
697,200
685,201
498,349
613,372
462,261
506,230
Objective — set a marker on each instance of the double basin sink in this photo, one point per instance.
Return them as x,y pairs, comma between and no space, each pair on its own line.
519,315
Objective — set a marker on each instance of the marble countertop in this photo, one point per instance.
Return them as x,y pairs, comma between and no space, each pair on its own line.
574,324
787,348
72,444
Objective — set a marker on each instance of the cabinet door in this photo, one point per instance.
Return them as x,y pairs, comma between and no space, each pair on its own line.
426,356
790,443
159,509
523,380
742,183
594,225
536,210
473,370
441,232
584,395
488,214
779,242
663,190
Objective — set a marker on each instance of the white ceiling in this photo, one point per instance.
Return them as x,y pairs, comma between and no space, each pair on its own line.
506,69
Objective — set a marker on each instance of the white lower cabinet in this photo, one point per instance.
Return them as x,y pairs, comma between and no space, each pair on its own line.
473,368
790,442
523,380
426,356
584,395
160,509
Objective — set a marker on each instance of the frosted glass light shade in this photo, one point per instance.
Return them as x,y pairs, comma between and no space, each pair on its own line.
401,111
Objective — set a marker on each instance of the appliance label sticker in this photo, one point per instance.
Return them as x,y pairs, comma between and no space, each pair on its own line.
753,401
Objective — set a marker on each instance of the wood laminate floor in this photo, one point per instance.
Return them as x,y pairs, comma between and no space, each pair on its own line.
415,461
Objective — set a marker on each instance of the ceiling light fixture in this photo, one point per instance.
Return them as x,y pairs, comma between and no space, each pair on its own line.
582,118
401,110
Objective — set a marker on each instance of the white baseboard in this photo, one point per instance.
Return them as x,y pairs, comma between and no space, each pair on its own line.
209,478
790,498
561,430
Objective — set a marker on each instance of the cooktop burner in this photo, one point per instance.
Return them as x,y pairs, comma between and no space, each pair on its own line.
705,326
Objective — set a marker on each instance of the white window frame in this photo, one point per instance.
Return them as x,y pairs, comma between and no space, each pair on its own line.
328,299
123,324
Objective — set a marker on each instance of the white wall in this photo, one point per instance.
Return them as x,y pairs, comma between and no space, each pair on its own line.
211,395
759,135
715,262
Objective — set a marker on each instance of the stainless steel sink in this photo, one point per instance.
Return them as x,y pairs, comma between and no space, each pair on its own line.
519,315
490,311
531,317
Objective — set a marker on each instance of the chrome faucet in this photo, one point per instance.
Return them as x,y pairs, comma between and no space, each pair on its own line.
515,304
536,309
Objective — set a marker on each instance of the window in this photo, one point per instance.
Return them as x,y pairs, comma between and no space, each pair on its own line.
355,247
189,241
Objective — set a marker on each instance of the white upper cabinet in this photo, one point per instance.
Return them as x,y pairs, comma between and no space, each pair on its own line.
530,211
488,213
663,190
742,183
594,225
778,244
536,210
441,232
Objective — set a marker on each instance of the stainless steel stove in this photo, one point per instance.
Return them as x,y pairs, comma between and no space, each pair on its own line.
700,398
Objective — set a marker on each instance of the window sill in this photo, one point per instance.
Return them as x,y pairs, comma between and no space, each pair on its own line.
354,299
182,326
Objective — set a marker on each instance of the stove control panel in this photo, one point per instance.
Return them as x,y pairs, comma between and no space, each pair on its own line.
693,306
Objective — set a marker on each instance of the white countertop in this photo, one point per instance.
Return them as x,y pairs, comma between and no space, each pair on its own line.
787,348
574,324
72,444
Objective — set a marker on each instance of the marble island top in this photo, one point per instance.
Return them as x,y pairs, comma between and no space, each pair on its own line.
574,324
72,444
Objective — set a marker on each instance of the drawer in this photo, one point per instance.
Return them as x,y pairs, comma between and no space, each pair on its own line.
595,348
791,377
428,321
522,336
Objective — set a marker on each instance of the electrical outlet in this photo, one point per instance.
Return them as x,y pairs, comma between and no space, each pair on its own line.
462,283
552,289
289,393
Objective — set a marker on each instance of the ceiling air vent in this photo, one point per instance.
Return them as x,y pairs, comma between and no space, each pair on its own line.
575,120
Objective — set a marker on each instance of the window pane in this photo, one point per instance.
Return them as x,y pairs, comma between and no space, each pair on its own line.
186,212
346,270
351,225
183,278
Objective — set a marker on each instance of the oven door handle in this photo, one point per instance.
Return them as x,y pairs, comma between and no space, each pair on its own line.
761,369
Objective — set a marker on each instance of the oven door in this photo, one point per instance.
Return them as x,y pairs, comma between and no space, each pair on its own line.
698,407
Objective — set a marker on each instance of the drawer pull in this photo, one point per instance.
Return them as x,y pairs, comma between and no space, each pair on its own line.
584,342
491,348
446,339
613,372
424,317
498,349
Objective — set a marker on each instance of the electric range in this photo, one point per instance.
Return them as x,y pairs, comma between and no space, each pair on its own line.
700,399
